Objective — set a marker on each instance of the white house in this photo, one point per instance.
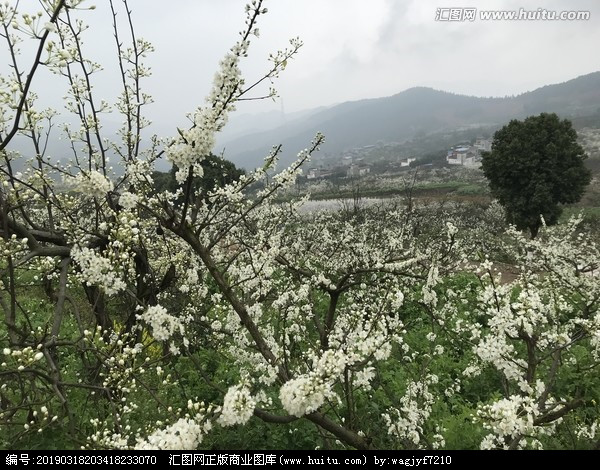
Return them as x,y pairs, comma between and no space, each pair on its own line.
356,170
464,156
406,161
483,145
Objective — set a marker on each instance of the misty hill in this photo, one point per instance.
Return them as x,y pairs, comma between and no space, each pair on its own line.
245,124
416,111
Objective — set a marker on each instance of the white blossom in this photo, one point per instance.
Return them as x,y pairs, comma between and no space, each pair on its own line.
238,406
128,200
93,183
163,324
97,270
185,434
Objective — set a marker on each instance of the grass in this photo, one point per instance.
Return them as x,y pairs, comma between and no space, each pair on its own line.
448,188
589,213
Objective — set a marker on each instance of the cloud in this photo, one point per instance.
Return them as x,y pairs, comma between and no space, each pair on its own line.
353,49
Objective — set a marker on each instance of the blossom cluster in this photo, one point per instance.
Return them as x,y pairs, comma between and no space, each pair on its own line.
22,357
238,406
96,270
195,143
92,183
163,324
510,419
407,421
308,392
185,433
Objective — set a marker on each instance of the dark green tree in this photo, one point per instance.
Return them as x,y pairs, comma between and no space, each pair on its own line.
535,166
217,173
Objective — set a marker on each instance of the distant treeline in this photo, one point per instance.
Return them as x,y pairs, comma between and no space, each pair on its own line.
217,173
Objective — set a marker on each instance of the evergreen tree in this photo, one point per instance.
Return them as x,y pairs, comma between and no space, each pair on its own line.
535,166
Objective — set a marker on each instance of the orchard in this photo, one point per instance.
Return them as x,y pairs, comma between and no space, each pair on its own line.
137,318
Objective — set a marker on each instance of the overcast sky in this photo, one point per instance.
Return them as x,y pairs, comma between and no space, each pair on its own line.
353,49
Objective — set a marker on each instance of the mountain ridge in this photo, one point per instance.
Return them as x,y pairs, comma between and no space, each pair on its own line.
414,111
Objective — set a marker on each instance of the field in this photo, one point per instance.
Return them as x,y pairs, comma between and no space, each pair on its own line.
412,306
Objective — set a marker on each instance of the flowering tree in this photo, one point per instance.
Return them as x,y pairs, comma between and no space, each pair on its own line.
179,315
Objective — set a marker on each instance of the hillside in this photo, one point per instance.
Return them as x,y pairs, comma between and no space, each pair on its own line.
415,111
